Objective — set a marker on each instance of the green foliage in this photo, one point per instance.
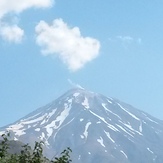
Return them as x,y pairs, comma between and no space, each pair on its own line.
64,158
27,155
4,145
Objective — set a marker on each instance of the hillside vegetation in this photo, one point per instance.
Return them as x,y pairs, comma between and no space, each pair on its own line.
10,152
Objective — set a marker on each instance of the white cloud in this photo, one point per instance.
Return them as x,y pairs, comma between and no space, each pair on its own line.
66,42
126,41
17,6
12,33
74,84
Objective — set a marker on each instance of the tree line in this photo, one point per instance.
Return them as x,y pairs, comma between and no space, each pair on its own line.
29,155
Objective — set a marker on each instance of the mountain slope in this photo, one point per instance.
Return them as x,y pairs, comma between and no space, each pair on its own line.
95,127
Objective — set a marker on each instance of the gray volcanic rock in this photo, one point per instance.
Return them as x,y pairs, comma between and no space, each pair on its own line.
98,129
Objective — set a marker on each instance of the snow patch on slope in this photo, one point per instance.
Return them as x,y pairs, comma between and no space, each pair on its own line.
109,101
59,120
86,129
123,153
152,120
81,119
150,150
104,106
85,103
48,116
102,119
140,127
108,135
76,94
131,129
132,115
124,130
101,141
17,129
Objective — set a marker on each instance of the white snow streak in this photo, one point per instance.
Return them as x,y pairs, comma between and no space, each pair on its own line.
62,127
2,132
81,119
150,150
60,119
86,129
101,118
30,117
16,128
42,137
109,101
140,127
34,120
48,116
49,131
144,122
82,136
37,129
130,127
51,113
108,135
132,115
151,120
101,141
76,94
85,103
124,130
123,153
15,139
104,106
70,100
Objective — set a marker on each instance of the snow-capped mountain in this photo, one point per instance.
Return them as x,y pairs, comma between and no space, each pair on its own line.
98,129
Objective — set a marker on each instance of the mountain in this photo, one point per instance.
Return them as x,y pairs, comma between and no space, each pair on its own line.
98,129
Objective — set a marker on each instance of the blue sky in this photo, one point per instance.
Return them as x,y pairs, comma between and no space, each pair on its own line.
111,47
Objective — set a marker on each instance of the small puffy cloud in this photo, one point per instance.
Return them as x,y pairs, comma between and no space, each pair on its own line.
12,33
66,42
17,6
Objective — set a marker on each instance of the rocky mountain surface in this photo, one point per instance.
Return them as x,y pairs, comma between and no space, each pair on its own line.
98,129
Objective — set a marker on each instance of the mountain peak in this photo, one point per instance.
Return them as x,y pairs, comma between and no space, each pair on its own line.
78,93
97,128
79,90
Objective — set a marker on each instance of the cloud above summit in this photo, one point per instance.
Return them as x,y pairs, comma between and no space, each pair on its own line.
12,32
67,43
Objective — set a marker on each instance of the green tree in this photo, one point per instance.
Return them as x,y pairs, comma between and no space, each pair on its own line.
27,155
4,145
64,158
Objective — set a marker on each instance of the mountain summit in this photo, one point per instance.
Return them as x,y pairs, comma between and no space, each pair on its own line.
98,129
